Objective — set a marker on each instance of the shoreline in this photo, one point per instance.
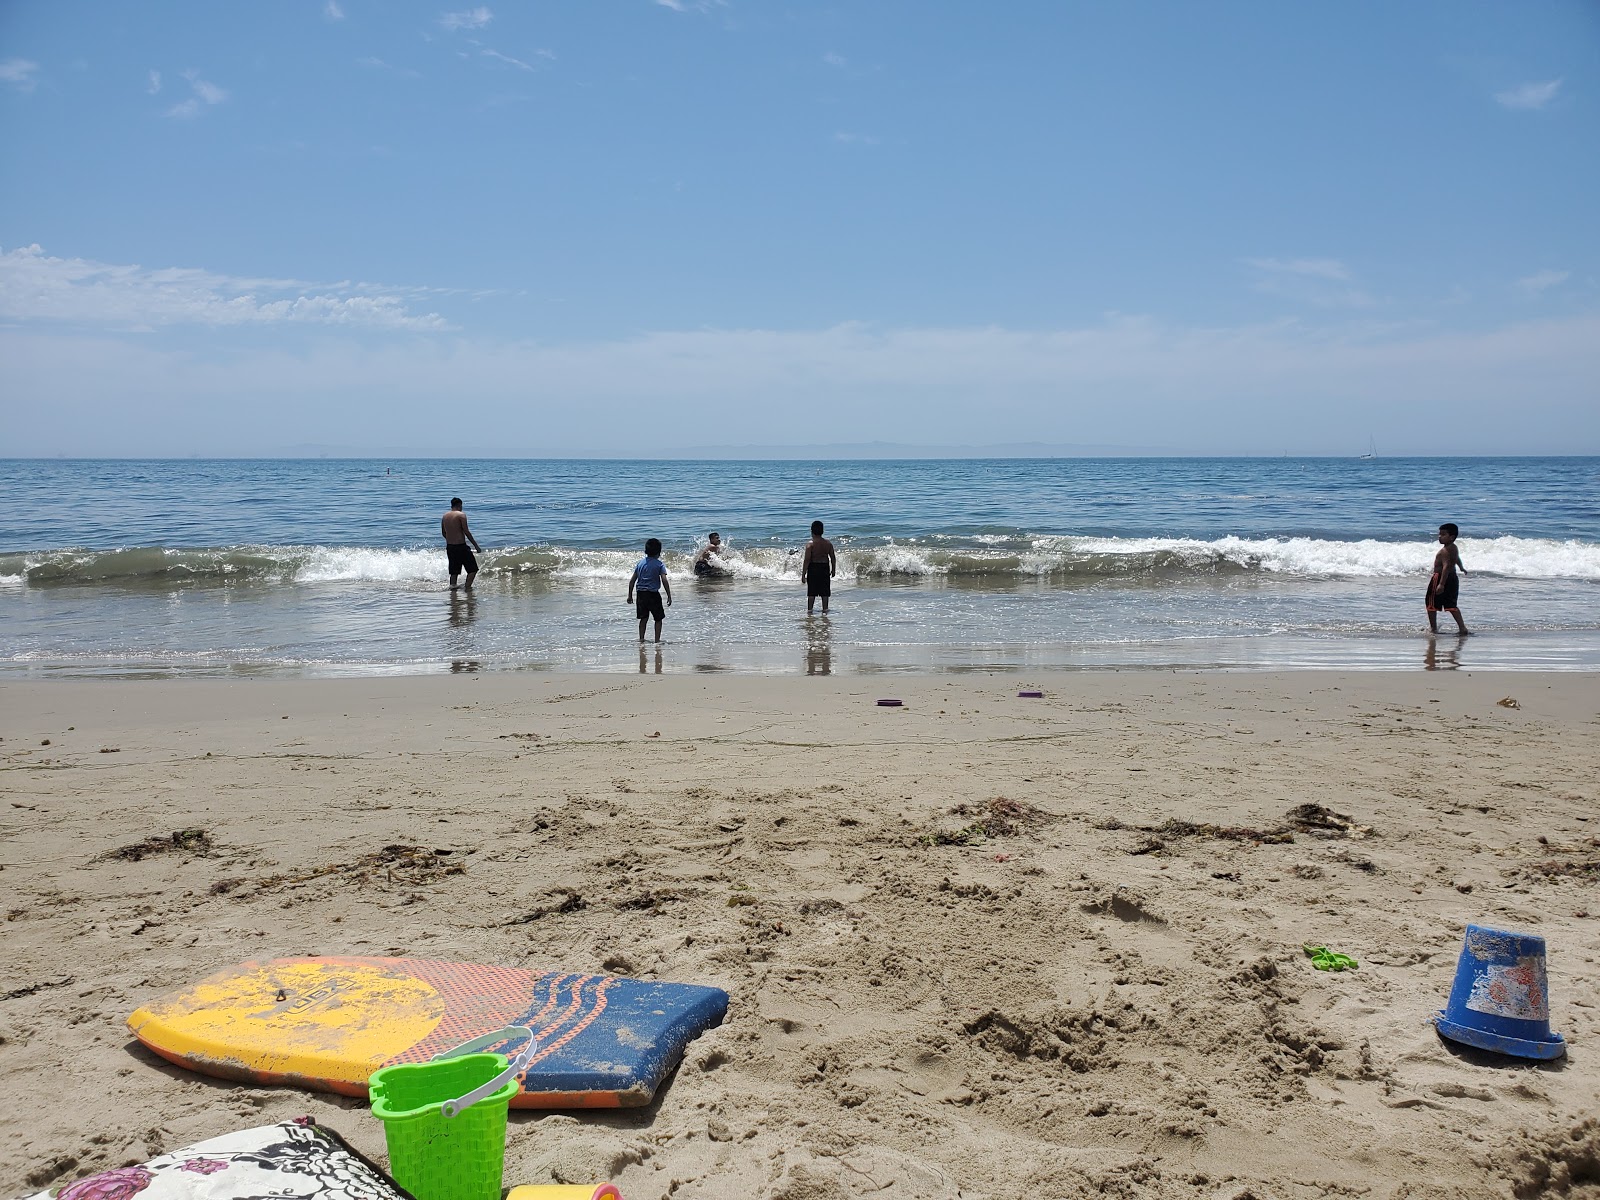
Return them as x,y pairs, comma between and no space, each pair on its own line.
1096,993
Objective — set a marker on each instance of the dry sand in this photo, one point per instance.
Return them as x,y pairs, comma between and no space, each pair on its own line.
1083,1000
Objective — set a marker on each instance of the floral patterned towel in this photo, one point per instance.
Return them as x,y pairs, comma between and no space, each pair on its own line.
294,1160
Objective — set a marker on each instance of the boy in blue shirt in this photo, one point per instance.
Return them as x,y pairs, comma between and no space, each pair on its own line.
650,580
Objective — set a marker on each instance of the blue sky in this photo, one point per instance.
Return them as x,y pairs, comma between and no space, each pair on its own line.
627,226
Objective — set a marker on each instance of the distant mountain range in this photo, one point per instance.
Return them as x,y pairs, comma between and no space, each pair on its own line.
830,450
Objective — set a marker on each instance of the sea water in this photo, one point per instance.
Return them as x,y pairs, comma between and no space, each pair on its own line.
337,566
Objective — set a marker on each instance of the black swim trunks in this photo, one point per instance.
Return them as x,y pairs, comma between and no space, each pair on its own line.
1443,595
648,604
818,581
461,558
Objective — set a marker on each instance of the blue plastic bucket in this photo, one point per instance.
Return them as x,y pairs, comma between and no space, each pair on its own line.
1500,1000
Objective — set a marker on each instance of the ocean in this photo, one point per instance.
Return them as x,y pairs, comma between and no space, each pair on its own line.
243,567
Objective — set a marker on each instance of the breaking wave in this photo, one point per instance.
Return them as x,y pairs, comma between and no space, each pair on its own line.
991,556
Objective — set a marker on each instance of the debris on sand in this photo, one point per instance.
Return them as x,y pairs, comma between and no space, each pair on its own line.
189,841
999,817
1508,702
1324,822
1175,828
409,866
558,900
1563,868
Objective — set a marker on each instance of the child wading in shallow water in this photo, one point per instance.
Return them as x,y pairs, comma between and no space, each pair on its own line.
650,579
1444,584
817,566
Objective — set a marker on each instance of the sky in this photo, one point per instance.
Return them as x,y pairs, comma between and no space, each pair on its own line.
631,227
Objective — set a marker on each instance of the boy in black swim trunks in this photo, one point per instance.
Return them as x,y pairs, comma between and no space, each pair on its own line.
1444,584
817,567
650,579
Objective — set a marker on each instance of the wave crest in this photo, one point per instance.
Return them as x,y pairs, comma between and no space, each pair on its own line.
1039,558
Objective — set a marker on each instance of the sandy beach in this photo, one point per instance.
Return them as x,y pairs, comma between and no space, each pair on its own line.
978,946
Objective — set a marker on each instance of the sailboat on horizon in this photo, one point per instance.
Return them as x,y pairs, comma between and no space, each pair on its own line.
1372,450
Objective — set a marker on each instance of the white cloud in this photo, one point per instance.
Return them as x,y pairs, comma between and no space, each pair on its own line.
506,58
35,287
1317,268
205,93
833,60
209,92
1116,381
472,18
855,139
332,11
19,73
154,86
1325,282
1529,95
1540,282
699,6
378,64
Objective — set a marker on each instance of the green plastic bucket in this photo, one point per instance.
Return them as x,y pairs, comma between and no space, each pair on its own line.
445,1143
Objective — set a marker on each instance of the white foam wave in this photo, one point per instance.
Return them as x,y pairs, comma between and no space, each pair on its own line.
329,564
1511,557
984,556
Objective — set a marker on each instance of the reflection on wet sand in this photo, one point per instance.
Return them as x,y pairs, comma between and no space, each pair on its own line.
819,646
463,609
644,655
1447,659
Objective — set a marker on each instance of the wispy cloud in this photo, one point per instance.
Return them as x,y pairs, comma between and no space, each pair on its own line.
378,64
154,86
1316,268
332,11
209,92
472,18
506,58
855,139
1207,389
19,73
833,60
1325,282
1541,282
205,93
1529,95
36,287
700,6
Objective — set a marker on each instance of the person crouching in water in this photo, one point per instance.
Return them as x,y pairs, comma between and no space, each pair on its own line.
712,549
649,579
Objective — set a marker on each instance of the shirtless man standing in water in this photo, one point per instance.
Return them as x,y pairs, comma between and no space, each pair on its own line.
456,536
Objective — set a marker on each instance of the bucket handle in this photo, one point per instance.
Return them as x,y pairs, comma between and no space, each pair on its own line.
454,1108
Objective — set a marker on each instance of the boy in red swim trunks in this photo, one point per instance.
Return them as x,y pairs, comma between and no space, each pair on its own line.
1444,583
